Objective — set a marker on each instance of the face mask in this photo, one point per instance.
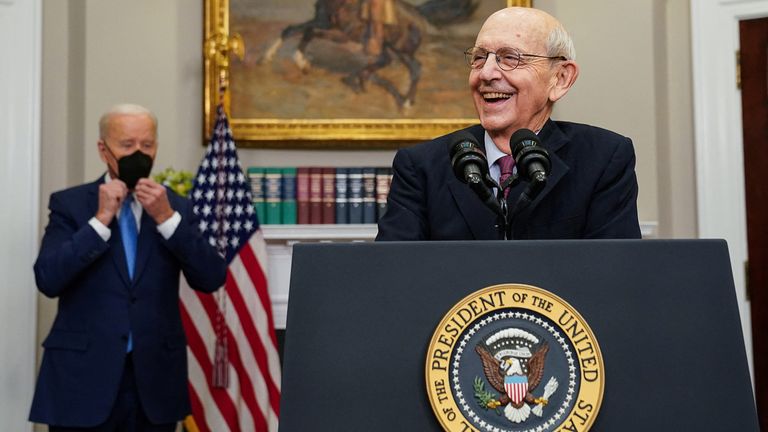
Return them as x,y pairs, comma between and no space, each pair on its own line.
132,167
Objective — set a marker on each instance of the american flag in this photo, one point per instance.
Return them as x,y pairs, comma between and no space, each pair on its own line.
239,390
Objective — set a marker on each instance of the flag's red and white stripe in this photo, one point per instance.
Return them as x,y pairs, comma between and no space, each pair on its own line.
251,401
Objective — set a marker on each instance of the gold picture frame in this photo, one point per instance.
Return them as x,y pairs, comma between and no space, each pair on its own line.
264,129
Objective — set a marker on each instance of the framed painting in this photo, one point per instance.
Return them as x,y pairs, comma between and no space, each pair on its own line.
342,73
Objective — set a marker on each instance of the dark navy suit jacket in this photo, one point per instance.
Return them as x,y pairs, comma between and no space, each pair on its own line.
98,304
591,191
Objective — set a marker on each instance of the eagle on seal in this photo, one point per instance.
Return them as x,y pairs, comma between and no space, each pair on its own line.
503,370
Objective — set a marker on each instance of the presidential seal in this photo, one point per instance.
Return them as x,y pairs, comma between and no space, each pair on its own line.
514,358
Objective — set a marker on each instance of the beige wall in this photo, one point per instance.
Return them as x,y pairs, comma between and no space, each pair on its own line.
677,175
61,153
615,89
635,79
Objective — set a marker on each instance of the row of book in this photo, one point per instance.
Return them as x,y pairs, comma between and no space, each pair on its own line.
320,195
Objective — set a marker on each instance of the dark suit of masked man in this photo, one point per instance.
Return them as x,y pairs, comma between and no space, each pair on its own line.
112,253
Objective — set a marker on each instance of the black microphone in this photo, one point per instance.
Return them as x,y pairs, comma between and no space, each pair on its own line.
471,167
531,158
533,165
468,159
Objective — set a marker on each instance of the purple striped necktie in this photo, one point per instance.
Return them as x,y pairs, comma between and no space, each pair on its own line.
506,164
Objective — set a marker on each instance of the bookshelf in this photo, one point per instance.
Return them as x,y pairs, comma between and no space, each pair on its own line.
319,195
281,238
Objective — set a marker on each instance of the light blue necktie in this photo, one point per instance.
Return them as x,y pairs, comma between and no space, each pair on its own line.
129,234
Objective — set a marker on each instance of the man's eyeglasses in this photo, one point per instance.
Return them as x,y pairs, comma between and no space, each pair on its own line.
507,58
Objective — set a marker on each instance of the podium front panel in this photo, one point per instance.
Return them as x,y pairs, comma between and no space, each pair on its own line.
361,315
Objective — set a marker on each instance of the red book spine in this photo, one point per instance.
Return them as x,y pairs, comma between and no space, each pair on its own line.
329,195
302,195
315,195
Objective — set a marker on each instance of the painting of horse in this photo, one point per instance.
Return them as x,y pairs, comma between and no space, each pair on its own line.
354,59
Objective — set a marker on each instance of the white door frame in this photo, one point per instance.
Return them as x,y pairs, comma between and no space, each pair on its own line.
718,132
20,50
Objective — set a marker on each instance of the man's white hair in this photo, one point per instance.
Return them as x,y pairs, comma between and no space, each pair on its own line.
559,43
123,109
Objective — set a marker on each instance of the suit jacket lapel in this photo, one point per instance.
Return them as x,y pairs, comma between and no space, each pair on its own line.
92,201
479,218
146,242
116,244
553,139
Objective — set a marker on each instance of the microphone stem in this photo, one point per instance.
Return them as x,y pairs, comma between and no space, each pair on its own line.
485,194
537,184
505,228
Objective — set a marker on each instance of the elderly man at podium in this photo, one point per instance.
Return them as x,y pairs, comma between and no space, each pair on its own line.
550,180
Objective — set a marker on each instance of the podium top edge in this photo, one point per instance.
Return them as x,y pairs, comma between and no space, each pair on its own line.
496,243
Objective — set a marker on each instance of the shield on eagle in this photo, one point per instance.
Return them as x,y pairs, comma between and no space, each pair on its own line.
516,387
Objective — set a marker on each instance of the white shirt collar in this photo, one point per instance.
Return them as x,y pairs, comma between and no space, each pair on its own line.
492,153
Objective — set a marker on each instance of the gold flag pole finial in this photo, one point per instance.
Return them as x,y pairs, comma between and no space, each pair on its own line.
217,49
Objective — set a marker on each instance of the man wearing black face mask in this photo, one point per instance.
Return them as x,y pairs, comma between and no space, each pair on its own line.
115,358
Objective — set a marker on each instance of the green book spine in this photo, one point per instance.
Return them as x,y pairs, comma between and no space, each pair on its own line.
272,195
289,196
256,179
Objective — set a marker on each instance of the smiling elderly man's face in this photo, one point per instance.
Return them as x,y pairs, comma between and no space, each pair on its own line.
521,98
